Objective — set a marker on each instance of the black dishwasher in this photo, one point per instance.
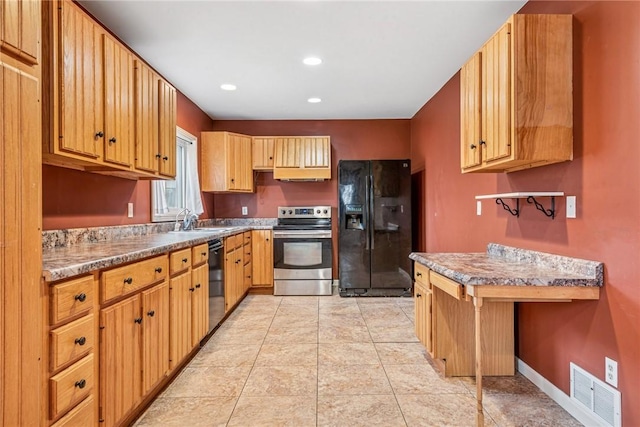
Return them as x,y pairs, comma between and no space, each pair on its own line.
216,283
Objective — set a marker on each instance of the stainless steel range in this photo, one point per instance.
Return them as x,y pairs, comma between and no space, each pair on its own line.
302,254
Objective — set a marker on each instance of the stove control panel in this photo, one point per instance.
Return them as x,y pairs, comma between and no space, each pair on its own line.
304,212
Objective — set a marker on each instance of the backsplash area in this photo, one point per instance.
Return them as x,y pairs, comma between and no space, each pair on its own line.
73,236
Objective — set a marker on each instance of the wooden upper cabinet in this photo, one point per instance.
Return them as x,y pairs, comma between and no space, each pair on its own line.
167,134
147,116
225,164
18,20
80,107
119,95
302,157
263,153
517,92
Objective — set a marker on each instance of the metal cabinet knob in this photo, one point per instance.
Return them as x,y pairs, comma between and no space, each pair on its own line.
80,297
80,341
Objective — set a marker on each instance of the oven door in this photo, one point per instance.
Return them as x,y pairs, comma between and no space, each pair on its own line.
302,254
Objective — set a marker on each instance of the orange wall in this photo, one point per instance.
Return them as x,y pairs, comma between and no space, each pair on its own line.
604,176
73,198
350,139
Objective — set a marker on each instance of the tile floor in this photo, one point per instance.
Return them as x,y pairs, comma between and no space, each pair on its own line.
331,361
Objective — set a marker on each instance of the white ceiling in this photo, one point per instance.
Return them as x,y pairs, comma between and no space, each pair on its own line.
381,59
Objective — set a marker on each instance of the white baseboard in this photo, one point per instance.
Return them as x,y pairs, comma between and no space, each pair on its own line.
558,396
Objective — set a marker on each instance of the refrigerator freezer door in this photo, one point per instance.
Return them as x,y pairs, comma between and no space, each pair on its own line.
390,224
354,262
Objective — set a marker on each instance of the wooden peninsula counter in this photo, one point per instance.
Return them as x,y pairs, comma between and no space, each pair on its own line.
464,303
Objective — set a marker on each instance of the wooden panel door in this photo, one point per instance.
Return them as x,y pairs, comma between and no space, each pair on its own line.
470,110
120,391
155,336
167,120
287,152
233,167
19,22
419,308
146,113
81,97
118,89
199,303
245,164
262,258
496,95
21,319
316,152
262,153
230,278
179,318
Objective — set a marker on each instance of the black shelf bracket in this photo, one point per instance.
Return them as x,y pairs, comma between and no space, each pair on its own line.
515,212
551,213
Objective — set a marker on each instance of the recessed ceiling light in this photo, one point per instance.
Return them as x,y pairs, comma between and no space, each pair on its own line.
314,100
312,60
228,86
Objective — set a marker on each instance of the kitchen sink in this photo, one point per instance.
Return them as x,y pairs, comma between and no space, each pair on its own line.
203,230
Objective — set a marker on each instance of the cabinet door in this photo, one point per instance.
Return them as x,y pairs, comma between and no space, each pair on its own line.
316,152
470,108
496,95
179,318
147,147
230,279
232,148
118,89
199,303
262,153
168,113
155,336
18,20
120,390
245,164
418,300
81,103
262,258
287,152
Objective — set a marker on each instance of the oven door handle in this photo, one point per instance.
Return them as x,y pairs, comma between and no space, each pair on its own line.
302,234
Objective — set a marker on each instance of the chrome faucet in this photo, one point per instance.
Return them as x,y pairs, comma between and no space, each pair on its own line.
188,221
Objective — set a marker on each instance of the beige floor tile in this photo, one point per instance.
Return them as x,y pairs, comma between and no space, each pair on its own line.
421,379
365,411
515,385
278,411
236,336
188,411
305,301
440,410
362,353
342,319
402,353
282,381
341,333
387,320
293,321
526,410
336,300
209,382
213,354
287,354
299,335
349,380
333,309
393,333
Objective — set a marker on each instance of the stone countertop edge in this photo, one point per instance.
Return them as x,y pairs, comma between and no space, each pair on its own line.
65,262
508,266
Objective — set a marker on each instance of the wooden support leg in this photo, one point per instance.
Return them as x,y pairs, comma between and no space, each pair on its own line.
477,302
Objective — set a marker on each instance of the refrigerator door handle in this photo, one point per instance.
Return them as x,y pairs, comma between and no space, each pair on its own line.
366,214
372,217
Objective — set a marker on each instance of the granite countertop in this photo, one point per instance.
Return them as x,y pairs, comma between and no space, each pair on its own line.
507,266
64,262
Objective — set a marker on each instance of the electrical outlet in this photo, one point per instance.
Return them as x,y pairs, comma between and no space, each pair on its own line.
130,210
478,207
245,211
571,206
611,371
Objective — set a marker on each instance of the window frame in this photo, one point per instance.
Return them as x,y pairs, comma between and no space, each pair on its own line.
191,143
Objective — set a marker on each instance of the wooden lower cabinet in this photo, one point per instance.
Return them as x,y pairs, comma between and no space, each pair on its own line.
199,303
155,336
234,271
81,415
262,259
422,299
180,318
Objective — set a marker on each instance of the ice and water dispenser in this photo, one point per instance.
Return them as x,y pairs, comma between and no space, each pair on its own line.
354,217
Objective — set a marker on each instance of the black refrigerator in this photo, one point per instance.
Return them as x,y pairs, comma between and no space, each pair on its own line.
374,231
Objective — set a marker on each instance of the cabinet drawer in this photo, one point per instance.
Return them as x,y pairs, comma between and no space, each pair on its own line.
246,237
233,242
72,341
124,280
81,415
180,261
421,274
200,254
454,289
71,298
247,253
71,385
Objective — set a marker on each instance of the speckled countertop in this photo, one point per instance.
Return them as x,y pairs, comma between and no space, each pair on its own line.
504,265
68,261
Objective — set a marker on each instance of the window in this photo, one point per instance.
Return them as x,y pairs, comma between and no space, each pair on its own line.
168,198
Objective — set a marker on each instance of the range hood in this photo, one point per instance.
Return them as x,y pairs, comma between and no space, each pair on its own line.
305,158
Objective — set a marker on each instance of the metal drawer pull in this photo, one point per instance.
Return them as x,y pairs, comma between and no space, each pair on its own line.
81,384
198,286
192,289
185,259
80,341
128,280
158,269
151,313
419,274
80,297
138,320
